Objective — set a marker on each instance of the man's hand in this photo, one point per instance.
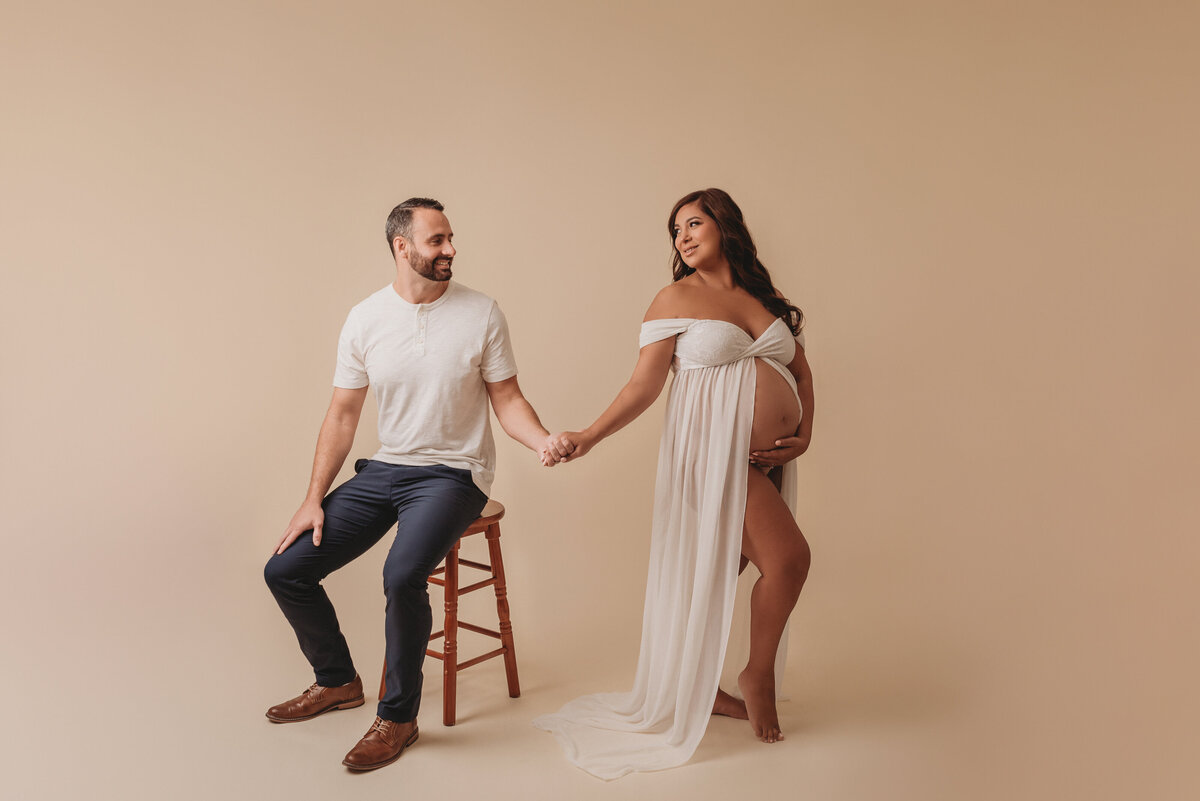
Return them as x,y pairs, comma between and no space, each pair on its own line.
785,450
553,450
569,446
310,515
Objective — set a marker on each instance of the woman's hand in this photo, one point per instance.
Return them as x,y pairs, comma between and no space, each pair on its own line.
785,450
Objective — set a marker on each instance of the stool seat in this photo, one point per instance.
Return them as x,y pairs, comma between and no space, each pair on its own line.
488,523
492,512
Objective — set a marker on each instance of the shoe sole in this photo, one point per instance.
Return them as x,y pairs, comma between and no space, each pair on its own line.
388,761
351,704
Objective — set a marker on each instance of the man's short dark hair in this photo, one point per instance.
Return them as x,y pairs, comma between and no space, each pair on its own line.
399,222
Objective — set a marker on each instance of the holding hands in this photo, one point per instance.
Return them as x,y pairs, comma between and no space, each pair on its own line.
564,447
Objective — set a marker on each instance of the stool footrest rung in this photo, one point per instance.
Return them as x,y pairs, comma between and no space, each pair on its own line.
479,585
478,659
476,565
469,662
478,629
468,627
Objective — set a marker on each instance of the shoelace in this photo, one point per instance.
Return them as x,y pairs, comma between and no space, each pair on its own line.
382,726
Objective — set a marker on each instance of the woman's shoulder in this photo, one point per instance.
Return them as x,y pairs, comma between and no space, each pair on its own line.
670,302
663,303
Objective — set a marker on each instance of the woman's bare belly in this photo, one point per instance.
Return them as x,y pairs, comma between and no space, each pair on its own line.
776,410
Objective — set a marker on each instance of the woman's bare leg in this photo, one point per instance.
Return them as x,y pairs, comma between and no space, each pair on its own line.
726,704
777,548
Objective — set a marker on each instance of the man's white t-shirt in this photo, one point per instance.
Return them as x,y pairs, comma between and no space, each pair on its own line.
428,363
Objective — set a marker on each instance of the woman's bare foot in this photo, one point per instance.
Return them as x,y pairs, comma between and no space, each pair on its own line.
729,706
759,692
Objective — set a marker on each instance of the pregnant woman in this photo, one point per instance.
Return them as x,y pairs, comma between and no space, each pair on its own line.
739,411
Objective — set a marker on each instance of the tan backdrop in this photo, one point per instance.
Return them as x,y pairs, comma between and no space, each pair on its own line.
987,211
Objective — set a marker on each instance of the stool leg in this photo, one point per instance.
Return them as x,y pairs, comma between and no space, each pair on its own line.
450,661
383,680
506,635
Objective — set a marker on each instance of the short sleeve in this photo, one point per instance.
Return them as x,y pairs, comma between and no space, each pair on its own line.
351,370
498,362
800,340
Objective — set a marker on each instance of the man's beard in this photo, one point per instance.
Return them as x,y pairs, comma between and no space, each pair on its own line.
427,268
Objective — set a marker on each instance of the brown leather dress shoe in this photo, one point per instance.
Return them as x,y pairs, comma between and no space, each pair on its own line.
317,700
382,745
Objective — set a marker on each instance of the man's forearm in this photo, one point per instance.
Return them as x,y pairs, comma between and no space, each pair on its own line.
333,445
520,421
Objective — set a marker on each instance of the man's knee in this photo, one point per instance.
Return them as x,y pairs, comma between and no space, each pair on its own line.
404,581
278,574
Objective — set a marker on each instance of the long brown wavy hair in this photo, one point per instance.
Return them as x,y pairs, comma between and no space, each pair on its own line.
738,247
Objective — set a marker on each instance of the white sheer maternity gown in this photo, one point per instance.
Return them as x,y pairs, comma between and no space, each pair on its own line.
695,548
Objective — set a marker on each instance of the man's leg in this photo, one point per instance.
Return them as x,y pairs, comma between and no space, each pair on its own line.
434,506
357,515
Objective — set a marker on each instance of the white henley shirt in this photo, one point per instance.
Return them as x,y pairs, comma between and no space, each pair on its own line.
428,363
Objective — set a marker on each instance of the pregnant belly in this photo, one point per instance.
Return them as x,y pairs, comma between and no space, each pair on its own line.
776,410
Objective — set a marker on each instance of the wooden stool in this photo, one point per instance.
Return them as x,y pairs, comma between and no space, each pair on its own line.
489,523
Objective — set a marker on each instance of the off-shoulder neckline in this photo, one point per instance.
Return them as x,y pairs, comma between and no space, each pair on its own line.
690,320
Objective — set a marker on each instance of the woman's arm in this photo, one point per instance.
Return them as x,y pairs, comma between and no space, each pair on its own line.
804,386
643,387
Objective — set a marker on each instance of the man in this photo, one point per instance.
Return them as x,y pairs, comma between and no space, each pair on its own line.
435,352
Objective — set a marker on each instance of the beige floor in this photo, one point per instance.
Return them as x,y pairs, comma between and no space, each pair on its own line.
870,717
208,739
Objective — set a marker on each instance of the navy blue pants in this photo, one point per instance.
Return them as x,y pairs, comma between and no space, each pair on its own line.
431,507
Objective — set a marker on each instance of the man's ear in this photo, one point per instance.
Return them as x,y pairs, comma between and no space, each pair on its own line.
398,248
